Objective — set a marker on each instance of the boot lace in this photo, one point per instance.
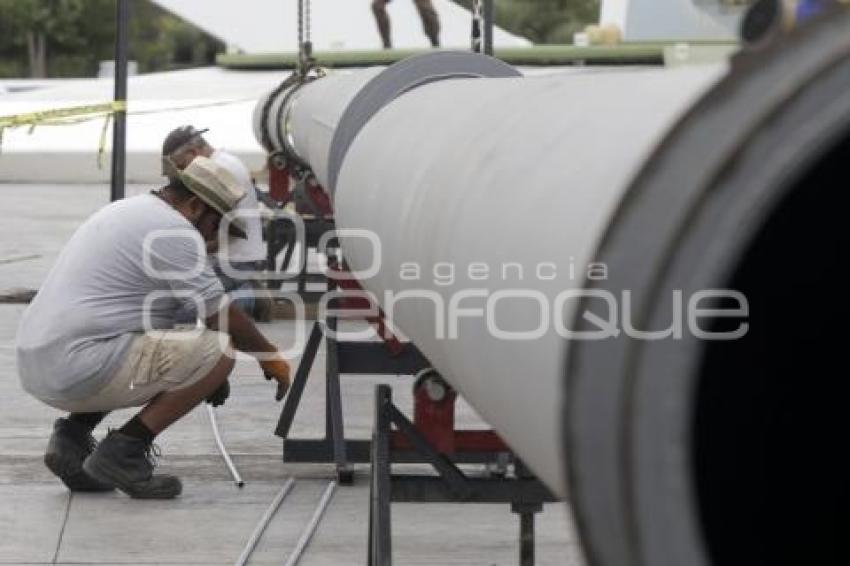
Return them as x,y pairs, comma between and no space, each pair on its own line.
152,454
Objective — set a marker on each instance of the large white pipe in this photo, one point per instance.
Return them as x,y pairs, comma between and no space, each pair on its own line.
314,123
319,105
678,450
504,171
315,112
517,177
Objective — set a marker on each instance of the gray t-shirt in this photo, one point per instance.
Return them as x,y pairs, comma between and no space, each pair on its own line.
127,269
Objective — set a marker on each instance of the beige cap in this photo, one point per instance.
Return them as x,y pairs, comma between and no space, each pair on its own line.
217,187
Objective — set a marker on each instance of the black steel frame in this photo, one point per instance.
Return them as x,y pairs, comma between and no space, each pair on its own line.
343,358
522,490
281,236
352,359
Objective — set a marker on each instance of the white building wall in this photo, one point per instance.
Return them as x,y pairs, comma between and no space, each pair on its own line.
658,20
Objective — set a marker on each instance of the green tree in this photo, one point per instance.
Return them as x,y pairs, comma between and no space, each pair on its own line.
60,38
544,21
43,25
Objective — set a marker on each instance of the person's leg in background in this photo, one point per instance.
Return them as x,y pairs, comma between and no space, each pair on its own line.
246,298
379,8
69,445
430,21
246,301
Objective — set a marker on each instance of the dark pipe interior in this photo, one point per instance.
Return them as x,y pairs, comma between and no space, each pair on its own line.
771,429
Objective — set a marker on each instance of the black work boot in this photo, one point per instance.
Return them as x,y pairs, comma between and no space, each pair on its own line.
127,463
69,445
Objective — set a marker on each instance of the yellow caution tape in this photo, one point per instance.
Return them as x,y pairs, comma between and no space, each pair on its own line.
78,114
45,116
101,146
63,116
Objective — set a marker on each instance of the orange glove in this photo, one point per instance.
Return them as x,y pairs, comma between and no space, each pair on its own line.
277,368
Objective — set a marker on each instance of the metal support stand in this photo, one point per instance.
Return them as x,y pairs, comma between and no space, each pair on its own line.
333,414
282,237
343,358
380,525
313,206
526,514
376,358
522,491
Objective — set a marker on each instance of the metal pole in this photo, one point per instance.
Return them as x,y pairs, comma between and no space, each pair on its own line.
526,512
310,529
477,24
119,130
489,16
380,523
264,522
333,407
526,539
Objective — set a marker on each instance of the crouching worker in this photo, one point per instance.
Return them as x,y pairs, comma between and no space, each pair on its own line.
99,334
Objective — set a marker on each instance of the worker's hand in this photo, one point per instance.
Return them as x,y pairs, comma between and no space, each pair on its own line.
277,368
220,395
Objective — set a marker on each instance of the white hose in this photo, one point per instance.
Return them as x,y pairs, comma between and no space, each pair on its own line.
237,479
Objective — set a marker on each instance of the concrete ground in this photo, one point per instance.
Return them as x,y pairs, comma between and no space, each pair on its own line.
41,523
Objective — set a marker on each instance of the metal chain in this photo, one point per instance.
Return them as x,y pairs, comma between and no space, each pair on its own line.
300,25
477,26
305,44
306,71
308,24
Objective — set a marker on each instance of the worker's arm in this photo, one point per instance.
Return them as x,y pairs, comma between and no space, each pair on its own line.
242,330
247,338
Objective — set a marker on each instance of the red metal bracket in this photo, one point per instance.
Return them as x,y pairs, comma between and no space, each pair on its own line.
279,181
434,418
345,282
320,199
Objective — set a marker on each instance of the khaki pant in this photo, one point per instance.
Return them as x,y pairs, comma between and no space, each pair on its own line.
430,21
157,361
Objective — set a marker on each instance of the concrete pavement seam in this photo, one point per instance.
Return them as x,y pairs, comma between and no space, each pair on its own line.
62,529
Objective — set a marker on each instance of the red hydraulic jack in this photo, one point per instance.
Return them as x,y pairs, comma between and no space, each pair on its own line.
434,403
